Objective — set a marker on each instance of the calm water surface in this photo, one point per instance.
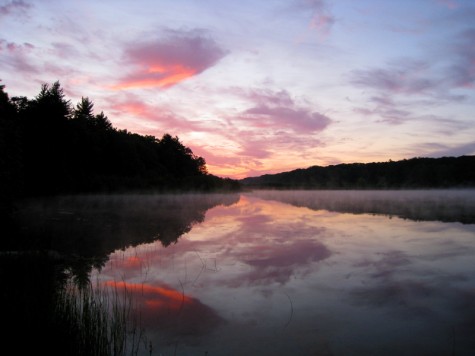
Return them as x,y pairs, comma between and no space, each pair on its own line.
306,273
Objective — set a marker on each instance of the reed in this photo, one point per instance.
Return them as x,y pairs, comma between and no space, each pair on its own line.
97,320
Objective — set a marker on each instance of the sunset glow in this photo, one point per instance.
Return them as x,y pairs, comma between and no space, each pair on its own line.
264,87
153,296
166,77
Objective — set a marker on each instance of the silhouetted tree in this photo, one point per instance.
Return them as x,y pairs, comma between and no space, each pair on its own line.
413,173
84,110
101,122
68,150
180,159
10,154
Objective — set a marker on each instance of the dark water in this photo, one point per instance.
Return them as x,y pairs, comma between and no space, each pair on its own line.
281,273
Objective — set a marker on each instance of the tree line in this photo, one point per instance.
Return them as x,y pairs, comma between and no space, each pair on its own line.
48,147
445,172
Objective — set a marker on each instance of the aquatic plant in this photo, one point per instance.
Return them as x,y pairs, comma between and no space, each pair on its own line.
97,320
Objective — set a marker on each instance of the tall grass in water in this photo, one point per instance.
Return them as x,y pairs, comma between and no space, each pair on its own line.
98,320
43,310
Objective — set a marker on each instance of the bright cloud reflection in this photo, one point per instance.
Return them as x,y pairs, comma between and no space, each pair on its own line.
279,275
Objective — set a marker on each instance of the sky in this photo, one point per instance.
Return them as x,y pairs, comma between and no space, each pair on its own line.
259,87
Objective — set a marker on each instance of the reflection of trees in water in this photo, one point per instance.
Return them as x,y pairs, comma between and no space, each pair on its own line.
430,205
88,228
68,236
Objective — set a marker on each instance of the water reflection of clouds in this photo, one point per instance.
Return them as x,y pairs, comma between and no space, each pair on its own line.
404,298
386,265
160,307
278,263
247,263
246,244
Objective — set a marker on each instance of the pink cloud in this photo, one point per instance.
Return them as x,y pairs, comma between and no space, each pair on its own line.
165,62
214,158
138,111
277,110
255,149
322,23
299,120
16,56
278,261
322,20
15,6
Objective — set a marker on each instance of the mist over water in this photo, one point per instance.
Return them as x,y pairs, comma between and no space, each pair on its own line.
281,272
305,272
441,205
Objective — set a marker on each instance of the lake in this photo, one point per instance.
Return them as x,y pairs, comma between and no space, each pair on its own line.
280,272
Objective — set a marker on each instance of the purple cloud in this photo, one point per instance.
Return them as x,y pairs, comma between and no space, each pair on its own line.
404,77
386,109
278,262
455,151
256,149
170,60
462,72
14,7
277,110
322,19
15,55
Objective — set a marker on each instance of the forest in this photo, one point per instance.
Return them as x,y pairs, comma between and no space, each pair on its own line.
50,147
445,172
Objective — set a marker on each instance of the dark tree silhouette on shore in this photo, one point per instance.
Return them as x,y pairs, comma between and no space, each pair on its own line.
444,172
50,147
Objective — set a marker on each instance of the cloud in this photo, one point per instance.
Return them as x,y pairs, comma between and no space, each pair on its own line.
385,109
14,47
16,56
462,72
434,78
401,77
278,262
15,6
261,125
454,151
322,19
406,298
255,148
170,60
170,310
418,82
277,110
387,264
142,115
322,23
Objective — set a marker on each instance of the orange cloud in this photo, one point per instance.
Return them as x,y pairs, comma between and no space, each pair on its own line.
171,311
154,296
164,77
132,262
165,62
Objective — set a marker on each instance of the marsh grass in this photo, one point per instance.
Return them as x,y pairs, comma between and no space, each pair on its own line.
44,310
99,320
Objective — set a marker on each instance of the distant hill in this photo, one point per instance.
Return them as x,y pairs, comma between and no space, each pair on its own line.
445,172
